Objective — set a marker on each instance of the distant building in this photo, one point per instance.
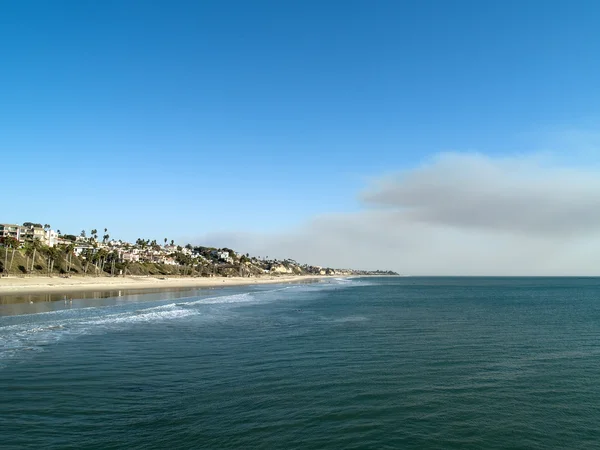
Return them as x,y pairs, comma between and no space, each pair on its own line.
9,230
31,233
224,256
80,248
51,238
129,256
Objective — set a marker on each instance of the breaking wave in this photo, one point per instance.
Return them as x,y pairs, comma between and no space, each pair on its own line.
33,332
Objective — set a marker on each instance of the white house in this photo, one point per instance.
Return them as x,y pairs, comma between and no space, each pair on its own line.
80,248
51,238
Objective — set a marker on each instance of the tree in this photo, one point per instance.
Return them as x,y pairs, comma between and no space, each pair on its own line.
165,241
86,255
172,242
37,245
82,234
53,255
142,243
5,243
101,256
12,255
28,247
69,257
113,257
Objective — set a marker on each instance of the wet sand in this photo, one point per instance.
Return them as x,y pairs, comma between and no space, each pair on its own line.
17,286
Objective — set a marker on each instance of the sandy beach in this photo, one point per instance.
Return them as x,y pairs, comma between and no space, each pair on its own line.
30,285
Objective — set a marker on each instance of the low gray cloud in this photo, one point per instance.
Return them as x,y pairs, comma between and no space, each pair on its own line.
513,195
459,214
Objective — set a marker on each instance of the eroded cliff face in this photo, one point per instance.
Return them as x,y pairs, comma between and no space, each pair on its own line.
281,269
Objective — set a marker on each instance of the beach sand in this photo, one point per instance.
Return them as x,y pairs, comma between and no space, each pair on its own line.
30,285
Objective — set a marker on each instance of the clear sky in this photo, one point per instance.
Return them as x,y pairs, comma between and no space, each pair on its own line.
190,118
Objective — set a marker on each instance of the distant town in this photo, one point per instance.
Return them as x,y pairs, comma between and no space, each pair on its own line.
37,249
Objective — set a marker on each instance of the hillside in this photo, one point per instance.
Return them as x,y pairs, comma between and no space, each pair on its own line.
202,261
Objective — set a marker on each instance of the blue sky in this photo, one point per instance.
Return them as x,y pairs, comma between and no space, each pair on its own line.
168,119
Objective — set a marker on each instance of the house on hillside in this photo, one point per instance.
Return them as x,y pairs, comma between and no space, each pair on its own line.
30,233
51,238
81,248
129,256
224,256
10,230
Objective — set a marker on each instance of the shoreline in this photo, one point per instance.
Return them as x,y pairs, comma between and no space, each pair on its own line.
57,285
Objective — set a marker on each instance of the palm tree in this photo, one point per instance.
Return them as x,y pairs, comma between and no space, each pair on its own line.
141,243
102,255
28,247
86,255
53,255
5,268
12,255
68,257
172,242
36,245
165,242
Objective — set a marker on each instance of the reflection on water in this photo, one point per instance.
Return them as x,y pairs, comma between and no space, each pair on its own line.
17,304
11,299
31,303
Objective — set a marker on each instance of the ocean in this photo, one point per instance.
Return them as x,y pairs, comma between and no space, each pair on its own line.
368,363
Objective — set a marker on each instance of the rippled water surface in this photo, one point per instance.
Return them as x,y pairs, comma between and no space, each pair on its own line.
421,363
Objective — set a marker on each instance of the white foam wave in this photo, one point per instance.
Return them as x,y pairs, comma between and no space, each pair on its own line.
168,306
350,282
47,328
33,332
350,319
225,299
149,316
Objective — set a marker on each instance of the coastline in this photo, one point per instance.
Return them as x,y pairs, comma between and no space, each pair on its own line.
46,285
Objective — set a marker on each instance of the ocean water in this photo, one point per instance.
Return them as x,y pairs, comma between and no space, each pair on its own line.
372,363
